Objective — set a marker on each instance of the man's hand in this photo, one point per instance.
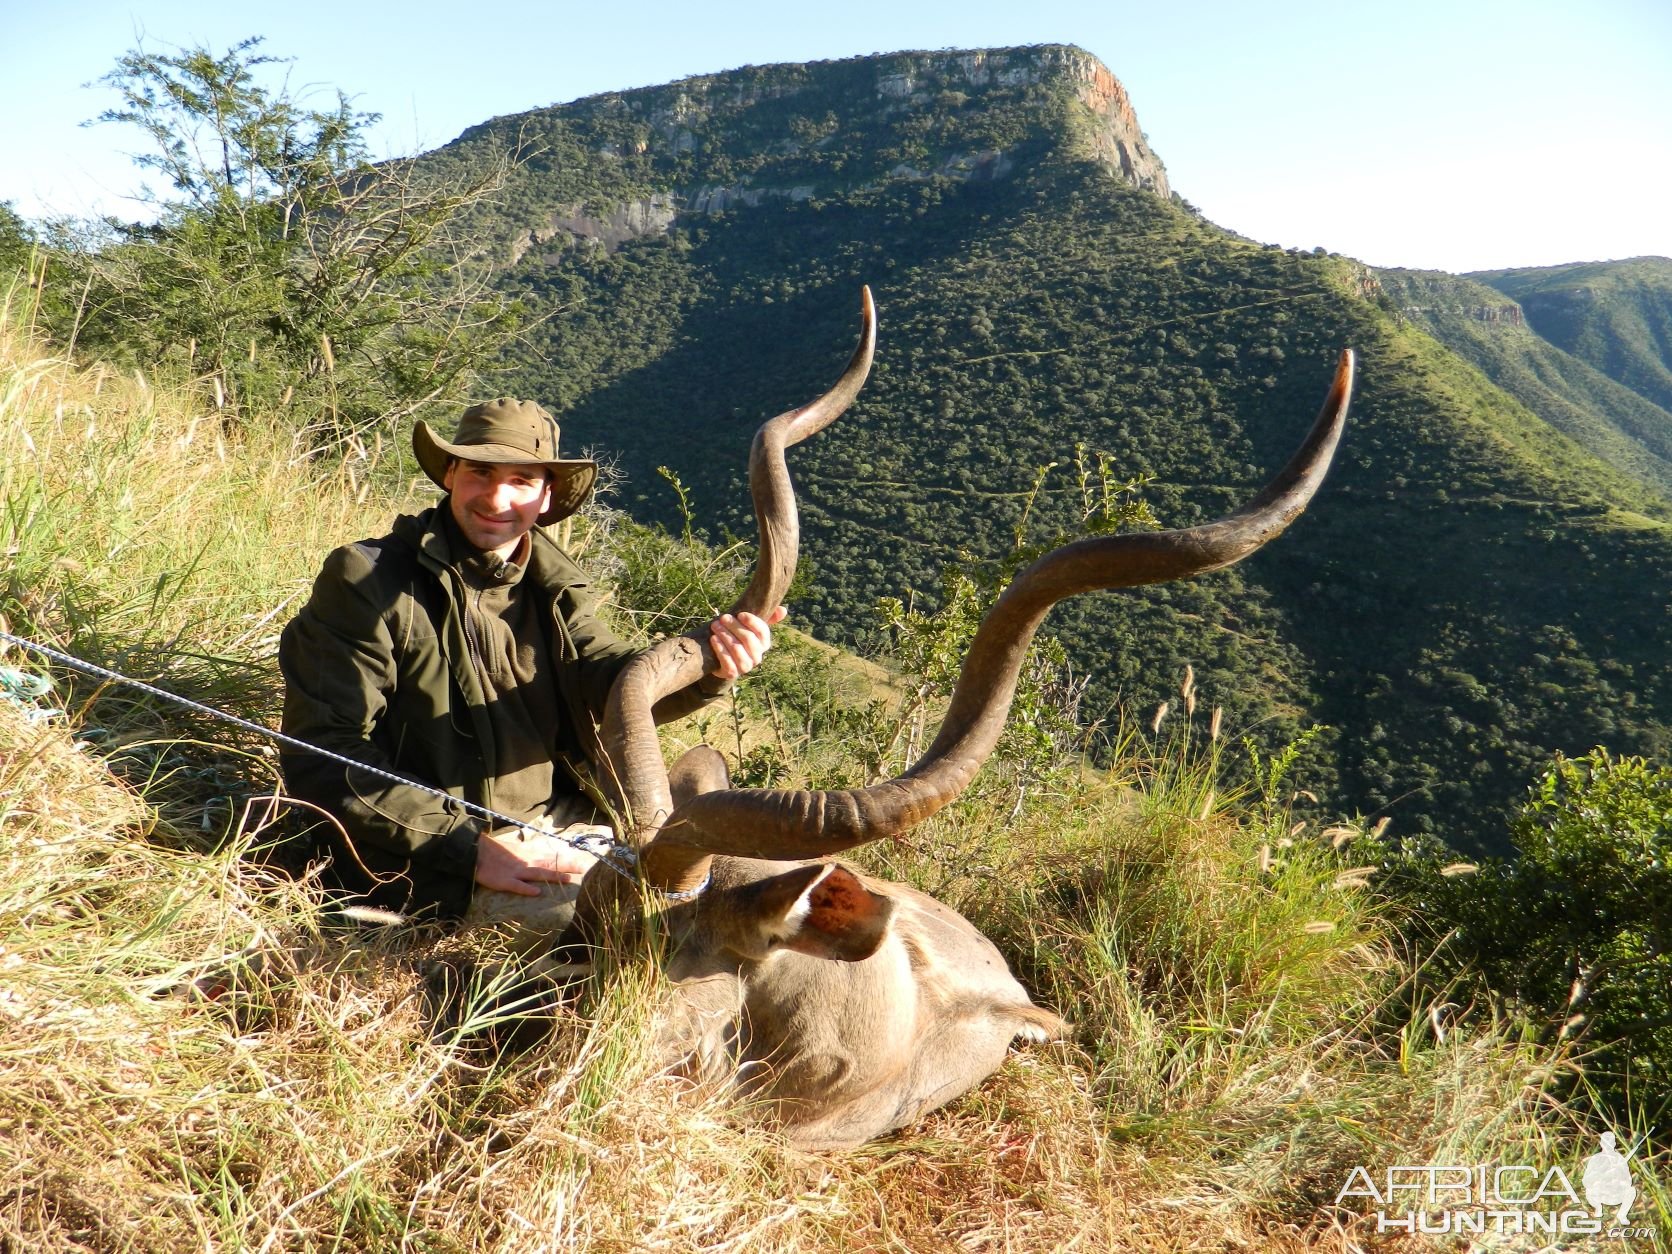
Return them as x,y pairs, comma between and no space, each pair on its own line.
513,860
741,640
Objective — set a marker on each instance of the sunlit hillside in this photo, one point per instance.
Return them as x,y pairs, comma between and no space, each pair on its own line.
1479,586
1615,315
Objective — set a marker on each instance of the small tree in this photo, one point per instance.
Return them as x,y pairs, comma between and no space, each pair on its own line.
1576,929
287,268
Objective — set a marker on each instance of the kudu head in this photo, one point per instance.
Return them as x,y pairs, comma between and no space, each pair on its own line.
757,927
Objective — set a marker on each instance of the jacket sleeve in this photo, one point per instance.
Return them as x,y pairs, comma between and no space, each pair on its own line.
339,666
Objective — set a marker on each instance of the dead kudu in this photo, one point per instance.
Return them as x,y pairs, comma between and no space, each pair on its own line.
844,1005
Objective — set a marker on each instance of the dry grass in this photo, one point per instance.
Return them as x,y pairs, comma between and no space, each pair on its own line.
1232,1059
319,1107
128,510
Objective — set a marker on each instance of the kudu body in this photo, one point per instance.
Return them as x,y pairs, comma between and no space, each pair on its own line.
846,1005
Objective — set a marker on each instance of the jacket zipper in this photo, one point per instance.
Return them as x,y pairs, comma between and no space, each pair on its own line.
473,646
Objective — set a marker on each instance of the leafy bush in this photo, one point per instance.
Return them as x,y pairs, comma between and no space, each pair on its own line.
1576,928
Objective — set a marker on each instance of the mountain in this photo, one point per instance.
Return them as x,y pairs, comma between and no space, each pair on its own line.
1472,590
1616,315
1616,424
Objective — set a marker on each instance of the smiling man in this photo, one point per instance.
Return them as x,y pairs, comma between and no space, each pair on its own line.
461,651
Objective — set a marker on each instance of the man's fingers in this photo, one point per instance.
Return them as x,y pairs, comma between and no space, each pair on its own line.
509,863
733,654
758,626
740,641
754,633
529,882
720,639
502,881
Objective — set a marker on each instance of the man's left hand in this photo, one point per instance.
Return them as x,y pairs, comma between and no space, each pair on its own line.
517,860
740,641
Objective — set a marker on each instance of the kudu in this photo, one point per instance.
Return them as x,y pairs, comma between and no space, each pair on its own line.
846,1005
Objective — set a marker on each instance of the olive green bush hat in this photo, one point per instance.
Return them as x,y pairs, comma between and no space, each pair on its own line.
509,431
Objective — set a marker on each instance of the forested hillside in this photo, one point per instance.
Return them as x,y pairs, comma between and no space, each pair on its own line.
1616,315
1472,590
1614,423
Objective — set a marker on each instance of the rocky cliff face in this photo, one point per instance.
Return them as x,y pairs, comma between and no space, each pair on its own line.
1509,315
1116,138
720,142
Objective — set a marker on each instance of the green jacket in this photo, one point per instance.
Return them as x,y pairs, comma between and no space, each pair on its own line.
377,668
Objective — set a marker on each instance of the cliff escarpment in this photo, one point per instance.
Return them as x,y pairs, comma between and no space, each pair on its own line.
609,168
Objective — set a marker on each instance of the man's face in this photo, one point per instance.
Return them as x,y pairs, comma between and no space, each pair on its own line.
497,504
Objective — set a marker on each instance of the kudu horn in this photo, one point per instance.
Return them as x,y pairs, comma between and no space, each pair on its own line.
795,824
639,777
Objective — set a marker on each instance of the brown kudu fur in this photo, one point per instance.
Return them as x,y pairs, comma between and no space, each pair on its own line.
850,1006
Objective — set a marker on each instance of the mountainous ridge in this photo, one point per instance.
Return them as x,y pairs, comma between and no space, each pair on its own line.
651,133
1607,419
1436,606
1615,315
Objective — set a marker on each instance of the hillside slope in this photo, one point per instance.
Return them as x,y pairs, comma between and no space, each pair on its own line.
1466,595
1617,315
1616,424
198,1051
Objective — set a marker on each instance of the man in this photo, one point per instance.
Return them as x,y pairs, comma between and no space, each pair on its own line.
461,651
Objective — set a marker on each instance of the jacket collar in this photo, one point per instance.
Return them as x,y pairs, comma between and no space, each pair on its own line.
427,533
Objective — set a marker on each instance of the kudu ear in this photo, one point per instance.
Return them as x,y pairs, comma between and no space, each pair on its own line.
822,910
700,769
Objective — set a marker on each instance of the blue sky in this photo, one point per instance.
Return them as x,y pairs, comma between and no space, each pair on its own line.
1464,135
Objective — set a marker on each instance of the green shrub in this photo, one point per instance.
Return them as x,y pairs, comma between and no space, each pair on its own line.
1576,927
283,270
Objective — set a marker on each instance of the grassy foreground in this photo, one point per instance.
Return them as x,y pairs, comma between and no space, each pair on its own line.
1245,1035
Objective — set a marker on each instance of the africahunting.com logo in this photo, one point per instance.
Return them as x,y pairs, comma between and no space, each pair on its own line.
1502,1198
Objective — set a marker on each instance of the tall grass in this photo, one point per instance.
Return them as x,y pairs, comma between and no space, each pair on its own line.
131,511
148,534
1245,1029
190,1058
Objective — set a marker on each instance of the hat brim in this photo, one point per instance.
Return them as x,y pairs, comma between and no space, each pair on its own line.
572,480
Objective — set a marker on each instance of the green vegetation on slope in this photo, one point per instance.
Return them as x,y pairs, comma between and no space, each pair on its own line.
1572,930
1607,419
1472,590
1616,315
